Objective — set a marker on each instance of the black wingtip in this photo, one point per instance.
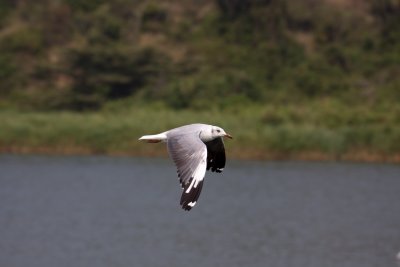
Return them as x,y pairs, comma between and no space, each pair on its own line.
187,208
215,169
189,200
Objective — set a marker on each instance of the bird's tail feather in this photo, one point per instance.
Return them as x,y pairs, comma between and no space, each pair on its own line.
155,138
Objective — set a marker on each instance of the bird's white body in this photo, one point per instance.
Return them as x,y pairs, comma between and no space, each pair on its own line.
194,148
206,133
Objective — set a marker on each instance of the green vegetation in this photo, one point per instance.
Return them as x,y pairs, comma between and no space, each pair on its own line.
301,79
336,131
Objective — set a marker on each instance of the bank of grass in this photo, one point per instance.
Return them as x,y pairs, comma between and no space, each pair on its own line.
320,130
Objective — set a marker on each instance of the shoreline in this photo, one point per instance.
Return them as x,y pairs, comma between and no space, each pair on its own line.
235,154
308,137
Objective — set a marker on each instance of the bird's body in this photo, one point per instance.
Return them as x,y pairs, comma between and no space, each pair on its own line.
194,149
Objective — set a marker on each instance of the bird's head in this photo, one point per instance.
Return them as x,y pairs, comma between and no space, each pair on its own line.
219,132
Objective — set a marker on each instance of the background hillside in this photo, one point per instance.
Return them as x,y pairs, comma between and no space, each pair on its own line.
304,77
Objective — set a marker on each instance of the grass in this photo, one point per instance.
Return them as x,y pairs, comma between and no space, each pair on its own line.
322,130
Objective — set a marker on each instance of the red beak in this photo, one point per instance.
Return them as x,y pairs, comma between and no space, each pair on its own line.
228,136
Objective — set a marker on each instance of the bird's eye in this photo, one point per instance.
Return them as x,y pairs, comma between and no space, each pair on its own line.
218,131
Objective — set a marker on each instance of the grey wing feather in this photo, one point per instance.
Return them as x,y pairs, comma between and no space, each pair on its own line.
189,154
186,152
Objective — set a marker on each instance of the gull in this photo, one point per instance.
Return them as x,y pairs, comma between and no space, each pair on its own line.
194,148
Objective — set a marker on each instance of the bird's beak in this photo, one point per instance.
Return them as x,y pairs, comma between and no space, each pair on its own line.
228,136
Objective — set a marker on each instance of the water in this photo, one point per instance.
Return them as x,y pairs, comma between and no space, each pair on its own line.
104,211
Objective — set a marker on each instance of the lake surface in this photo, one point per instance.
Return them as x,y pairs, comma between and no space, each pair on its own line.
105,211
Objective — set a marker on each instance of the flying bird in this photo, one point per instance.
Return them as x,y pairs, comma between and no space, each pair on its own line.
194,149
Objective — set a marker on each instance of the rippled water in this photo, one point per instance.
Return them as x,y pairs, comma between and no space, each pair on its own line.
104,211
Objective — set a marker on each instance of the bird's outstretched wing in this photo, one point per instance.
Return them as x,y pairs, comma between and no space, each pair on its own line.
190,156
215,155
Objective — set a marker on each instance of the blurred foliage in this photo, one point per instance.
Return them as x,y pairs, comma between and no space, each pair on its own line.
153,18
79,55
83,5
101,73
315,130
24,41
5,8
7,71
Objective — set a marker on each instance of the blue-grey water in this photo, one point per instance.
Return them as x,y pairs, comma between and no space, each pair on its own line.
105,211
